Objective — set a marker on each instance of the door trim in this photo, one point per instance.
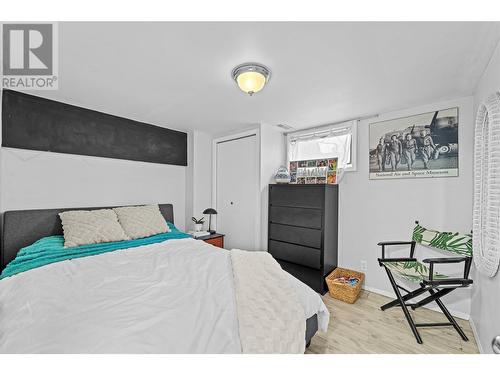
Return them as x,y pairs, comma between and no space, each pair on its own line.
233,137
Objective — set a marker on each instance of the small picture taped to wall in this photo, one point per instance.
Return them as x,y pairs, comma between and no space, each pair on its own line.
321,180
419,146
322,163
332,165
331,178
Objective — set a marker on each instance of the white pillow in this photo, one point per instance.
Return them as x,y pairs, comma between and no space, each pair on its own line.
141,221
90,227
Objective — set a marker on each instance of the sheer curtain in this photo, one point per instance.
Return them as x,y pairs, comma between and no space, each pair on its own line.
332,142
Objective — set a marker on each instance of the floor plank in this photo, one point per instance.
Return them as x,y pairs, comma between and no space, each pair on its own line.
363,328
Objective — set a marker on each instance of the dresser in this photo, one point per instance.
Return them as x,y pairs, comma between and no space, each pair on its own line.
303,231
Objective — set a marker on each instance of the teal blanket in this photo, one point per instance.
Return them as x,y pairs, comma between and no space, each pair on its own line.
51,250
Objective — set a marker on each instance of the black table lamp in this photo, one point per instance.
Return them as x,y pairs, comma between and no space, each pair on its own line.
210,211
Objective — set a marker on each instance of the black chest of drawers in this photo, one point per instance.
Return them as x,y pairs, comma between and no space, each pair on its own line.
303,231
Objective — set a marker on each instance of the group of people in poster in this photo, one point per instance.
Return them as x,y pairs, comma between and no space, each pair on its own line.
318,171
404,148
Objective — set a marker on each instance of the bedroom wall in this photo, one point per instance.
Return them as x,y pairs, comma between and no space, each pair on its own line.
34,179
202,178
188,209
486,290
377,210
272,156
47,180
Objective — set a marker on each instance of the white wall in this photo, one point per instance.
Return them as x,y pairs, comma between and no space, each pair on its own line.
188,209
486,291
31,179
272,156
377,210
202,178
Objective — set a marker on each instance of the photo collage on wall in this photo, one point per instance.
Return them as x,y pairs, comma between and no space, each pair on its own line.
317,171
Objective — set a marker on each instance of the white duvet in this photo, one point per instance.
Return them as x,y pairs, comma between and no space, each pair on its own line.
176,296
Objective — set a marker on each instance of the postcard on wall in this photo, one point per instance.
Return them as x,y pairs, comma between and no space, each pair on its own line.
317,171
419,146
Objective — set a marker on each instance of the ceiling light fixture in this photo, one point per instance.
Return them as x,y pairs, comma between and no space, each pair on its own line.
251,77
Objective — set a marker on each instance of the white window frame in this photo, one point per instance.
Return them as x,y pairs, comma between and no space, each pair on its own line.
353,125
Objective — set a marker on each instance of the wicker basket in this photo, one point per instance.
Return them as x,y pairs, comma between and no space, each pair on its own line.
344,292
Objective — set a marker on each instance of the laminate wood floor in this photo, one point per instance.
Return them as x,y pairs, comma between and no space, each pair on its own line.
363,328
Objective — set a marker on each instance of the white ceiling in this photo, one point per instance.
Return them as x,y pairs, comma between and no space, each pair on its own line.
177,75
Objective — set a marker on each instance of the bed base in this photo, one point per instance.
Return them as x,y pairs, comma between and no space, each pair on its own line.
311,328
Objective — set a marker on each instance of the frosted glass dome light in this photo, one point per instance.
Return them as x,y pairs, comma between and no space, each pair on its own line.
251,77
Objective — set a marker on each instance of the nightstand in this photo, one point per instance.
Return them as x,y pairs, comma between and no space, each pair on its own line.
215,239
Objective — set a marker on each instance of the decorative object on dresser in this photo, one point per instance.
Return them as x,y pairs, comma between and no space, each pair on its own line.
282,176
303,231
216,239
210,212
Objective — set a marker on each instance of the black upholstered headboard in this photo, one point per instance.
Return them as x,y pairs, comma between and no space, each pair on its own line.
22,228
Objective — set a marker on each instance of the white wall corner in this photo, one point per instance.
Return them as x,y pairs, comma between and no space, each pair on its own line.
476,336
189,179
202,176
272,156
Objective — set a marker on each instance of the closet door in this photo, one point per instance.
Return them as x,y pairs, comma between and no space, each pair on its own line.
237,189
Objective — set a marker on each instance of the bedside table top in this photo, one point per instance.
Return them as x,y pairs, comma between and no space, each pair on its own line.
210,236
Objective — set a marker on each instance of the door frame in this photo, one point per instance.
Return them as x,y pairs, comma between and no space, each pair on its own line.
234,136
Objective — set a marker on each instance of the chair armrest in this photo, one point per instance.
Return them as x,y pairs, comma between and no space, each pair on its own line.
432,261
445,260
397,259
388,243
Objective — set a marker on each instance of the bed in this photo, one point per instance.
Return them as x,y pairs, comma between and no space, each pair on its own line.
176,296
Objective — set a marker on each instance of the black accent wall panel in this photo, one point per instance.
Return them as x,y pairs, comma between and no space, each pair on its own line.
34,123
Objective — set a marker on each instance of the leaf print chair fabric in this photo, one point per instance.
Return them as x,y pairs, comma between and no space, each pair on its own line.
434,283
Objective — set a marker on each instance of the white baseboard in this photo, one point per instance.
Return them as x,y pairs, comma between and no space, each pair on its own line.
456,314
476,335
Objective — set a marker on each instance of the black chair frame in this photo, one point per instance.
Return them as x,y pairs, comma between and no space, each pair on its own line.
436,288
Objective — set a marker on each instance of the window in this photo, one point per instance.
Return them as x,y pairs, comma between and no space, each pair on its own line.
334,141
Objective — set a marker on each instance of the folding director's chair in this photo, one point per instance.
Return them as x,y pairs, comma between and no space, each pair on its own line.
436,284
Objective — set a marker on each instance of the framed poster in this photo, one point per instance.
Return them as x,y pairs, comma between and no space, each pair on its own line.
419,146
315,171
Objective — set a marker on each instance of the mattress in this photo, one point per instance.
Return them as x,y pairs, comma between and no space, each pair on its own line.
175,296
